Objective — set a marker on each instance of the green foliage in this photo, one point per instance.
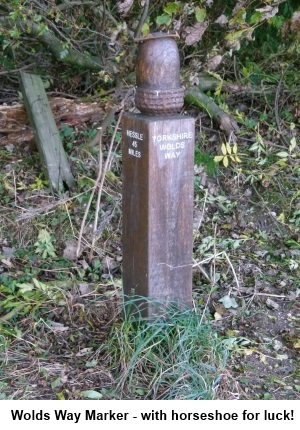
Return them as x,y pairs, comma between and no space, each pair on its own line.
208,243
39,183
44,245
273,34
67,133
24,297
175,357
219,28
200,14
203,158
229,154
166,18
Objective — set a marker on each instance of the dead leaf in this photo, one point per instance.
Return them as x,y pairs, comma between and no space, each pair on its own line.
7,262
282,356
267,11
240,4
295,23
222,20
109,263
297,344
55,326
8,252
220,309
217,316
70,251
84,264
84,351
214,62
195,33
124,7
85,288
277,345
271,304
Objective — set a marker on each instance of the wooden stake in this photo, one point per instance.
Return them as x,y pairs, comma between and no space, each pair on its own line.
47,137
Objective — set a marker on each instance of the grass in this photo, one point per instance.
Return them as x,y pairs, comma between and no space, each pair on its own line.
175,357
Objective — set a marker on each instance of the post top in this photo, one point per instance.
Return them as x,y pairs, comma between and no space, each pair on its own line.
157,35
158,88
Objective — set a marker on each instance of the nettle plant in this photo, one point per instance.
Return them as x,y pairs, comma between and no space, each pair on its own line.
44,245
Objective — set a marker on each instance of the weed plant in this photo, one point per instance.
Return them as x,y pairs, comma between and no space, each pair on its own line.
175,356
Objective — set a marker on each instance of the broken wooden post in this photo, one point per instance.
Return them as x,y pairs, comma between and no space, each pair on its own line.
47,137
158,185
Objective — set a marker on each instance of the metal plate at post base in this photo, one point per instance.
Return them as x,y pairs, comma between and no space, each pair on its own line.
158,186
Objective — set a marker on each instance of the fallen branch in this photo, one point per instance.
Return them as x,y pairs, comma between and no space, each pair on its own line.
198,99
210,83
14,124
67,56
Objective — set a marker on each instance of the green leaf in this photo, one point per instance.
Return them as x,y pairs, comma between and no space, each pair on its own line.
293,144
282,154
225,161
171,8
40,285
145,29
44,235
256,18
163,20
228,302
200,14
140,391
218,158
228,148
237,35
37,18
91,394
42,29
223,149
61,396
25,287
245,71
56,383
91,363
63,54
291,243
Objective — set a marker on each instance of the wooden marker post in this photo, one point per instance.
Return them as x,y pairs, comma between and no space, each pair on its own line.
158,185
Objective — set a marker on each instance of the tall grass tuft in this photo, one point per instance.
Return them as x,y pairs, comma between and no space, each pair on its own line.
171,357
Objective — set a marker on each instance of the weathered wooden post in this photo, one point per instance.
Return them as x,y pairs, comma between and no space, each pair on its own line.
158,162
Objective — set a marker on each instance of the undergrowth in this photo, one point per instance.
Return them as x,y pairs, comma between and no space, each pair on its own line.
172,357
